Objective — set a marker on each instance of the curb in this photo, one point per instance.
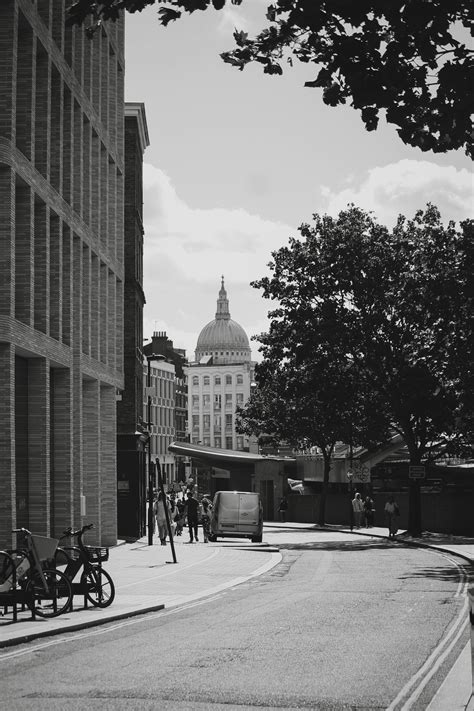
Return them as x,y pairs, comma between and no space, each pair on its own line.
78,626
29,637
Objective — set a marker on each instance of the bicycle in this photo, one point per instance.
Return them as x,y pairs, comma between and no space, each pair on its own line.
95,583
26,580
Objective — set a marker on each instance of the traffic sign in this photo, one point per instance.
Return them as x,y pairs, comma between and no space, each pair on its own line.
416,472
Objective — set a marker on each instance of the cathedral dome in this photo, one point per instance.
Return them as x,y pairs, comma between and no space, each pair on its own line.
223,338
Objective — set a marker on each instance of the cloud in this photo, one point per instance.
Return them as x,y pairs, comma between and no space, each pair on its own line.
405,187
186,250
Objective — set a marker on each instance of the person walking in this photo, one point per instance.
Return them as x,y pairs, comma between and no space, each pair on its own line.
206,518
161,518
191,510
283,508
180,517
369,512
392,512
358,509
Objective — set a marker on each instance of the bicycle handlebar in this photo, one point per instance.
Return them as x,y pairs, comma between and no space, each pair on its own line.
69,533
21,530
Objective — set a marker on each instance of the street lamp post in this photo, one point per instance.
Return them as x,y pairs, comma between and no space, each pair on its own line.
151,469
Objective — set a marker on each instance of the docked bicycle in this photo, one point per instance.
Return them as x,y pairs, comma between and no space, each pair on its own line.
84,565
29,577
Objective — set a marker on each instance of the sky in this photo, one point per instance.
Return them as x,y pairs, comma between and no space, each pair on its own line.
238,160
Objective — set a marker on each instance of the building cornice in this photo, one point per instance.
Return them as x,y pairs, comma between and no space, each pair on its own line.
137,110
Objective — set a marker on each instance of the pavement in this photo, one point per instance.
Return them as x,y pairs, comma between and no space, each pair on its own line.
147,579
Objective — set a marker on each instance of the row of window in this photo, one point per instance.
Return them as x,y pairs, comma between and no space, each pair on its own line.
218,379
217,420
217,400
206,441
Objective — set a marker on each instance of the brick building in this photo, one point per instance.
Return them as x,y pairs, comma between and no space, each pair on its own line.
132,474
61,269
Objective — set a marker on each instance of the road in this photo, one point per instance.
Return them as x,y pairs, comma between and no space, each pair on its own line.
343,622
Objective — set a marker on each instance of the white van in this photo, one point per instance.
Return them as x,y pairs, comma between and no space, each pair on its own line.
237,514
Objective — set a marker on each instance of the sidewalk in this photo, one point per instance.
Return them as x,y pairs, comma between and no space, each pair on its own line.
146,579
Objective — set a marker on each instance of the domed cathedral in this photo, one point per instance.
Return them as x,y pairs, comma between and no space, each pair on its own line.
223,339
219,380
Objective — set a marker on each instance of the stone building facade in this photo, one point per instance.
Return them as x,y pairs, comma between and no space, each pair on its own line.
219,381
61,269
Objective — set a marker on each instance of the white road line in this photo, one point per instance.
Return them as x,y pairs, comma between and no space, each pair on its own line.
104,630
418,681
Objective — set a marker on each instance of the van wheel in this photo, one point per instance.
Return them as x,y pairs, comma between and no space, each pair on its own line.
212,538
256,539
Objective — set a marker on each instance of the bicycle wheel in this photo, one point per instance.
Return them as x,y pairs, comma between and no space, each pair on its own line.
99,586
55,599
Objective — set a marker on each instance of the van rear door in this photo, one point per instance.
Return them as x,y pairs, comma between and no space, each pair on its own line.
248,510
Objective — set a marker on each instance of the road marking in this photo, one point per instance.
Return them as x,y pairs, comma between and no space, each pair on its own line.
105,630
214,594
420,679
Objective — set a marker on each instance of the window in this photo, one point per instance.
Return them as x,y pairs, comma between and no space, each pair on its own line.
206,421
240,442
228,422
228,442
228,379
217,402
206,441
195,422
206,380
217,423
239,398
206,400
240,379
228,400
195,380
195,401
217,380
217,442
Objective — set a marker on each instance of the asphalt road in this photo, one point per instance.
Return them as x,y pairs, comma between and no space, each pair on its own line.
343,622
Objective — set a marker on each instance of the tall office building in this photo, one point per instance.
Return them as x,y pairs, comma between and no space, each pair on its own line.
61,269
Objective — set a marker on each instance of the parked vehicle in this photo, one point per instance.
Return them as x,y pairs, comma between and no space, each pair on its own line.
237,514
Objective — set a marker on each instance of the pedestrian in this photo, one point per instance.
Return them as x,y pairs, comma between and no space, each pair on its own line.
161,518
283,508
180,517
358,509
206,518
191,510
369,511
173,511
392,512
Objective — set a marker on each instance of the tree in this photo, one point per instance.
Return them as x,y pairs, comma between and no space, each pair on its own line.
401,58
378,316
306,402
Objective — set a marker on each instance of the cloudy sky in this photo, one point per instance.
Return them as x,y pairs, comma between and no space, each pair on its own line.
238,160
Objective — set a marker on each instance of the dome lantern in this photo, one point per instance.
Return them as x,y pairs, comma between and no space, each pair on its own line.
223,339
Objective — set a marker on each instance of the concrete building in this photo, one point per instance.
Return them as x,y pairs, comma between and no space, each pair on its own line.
219,380
159,413
173,466
131,441
61,270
